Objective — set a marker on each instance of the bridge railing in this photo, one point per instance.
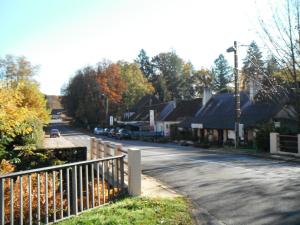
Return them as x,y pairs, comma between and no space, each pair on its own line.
51,194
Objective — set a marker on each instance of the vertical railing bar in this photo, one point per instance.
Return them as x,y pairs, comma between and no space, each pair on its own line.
38,199
113,177
118,175
103,183
29,199
98,185
2,206
21,201
54,196
87,185
11,201
108,180
46,198
122,175
92,177
74,191
68,191
80,187
61,194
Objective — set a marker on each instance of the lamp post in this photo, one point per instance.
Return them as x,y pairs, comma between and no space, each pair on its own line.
106,107
236,93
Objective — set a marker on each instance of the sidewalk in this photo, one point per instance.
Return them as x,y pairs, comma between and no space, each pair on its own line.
265,155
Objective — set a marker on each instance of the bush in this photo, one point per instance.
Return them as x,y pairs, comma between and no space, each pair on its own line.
263,137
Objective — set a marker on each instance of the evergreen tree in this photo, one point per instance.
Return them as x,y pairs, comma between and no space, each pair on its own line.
222,74
145,64
253,68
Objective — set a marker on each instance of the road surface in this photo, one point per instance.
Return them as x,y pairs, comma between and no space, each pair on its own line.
226,188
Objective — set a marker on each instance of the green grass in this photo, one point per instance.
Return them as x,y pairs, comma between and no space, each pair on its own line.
137,211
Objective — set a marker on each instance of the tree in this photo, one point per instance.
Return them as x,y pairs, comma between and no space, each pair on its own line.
82,98
135,82
85,95
23,112
201,78
253,65
186,89
14,69
281,35
221,74
168,68
145,64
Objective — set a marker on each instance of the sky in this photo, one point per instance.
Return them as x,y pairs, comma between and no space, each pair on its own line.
62,36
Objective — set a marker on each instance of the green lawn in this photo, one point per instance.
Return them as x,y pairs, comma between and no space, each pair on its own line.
137,211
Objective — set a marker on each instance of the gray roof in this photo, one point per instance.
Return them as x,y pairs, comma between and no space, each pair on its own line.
219,112
185,109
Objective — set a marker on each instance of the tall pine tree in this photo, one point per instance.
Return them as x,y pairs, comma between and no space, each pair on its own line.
253,65
222,74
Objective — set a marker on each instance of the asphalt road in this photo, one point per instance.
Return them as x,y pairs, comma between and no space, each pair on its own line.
226,188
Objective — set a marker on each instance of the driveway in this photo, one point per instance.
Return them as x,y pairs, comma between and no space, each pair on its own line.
226,188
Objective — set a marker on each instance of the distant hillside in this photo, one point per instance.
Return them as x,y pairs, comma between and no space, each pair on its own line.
54,102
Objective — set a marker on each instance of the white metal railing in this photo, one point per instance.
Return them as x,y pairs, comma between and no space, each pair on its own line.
50,194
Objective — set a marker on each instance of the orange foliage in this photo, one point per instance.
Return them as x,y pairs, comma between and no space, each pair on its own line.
111,83
51,188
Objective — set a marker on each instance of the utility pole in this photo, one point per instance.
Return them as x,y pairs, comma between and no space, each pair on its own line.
236,93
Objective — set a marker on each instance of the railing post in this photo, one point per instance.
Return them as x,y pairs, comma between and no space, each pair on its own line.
117,152
105,148
274,142
2,213
92,148
74,190
298,138
99,149
134,172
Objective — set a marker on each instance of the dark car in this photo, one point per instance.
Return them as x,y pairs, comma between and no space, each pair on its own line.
105,131
112,132
123,134
54,133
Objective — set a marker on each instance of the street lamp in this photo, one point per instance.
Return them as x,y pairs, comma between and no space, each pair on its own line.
106,107
236,92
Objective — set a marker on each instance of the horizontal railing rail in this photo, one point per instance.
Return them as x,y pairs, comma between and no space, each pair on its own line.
50,194
288,143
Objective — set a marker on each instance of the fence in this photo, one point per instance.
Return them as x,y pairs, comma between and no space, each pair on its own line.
132,161
285,144
50,194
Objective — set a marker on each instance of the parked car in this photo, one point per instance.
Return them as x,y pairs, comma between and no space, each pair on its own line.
54,133
105,131
98,130
112,132
123,134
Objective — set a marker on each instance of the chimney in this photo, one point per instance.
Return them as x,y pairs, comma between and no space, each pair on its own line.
206,95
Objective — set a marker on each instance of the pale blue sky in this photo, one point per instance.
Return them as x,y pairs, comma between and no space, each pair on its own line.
64,35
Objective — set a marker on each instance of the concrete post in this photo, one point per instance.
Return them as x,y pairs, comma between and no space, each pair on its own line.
99,148
134,172
118,147
274,145
117,152
92,148
105,148
298,144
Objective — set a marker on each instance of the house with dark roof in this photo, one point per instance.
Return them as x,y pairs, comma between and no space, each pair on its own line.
161,111
215,120
184,109
145,101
